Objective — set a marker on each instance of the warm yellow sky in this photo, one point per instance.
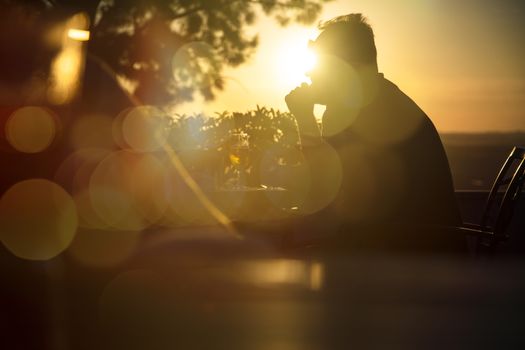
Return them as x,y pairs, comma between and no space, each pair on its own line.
463,61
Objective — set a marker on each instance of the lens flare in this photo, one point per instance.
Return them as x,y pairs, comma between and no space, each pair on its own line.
142,129
294,179
87,215
75,171
310,185
149,184
111,195
38,219
31,129
130,191
326,174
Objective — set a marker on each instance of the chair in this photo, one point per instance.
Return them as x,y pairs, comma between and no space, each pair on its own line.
500,204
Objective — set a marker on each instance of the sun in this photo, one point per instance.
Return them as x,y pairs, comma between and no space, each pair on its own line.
294,60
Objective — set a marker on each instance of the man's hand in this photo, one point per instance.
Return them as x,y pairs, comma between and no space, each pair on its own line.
300,102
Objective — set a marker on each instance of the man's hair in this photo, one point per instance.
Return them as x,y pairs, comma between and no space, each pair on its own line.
349,37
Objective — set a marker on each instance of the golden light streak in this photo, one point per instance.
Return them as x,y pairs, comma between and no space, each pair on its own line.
198,192
67,67
177,164
78,34
66,74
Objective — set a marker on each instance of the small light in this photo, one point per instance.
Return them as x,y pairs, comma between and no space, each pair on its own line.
78,34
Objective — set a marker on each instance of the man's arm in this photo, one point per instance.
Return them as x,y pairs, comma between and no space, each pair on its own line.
300,103
321,162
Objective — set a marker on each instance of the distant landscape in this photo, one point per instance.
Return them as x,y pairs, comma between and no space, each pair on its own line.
475,159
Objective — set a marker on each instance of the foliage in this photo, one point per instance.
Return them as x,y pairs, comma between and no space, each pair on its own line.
264,127
171,49
272,138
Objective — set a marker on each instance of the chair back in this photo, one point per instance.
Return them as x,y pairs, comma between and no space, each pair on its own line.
499,209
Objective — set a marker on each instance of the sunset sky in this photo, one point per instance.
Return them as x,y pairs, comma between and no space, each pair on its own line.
463,61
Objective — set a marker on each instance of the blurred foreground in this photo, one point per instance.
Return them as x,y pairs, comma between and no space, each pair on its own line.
193,296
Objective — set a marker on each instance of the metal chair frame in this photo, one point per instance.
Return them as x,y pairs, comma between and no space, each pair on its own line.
498,213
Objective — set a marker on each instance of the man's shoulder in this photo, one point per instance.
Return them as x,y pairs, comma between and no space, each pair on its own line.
388,89
394,102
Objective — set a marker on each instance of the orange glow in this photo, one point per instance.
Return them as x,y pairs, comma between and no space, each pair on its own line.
468,78
67,67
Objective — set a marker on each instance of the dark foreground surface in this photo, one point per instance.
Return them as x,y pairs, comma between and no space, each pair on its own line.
238,295
200,289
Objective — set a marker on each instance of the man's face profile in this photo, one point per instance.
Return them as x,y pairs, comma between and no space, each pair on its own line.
332,77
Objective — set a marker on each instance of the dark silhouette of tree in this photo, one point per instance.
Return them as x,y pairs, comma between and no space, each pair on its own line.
171,49
26,55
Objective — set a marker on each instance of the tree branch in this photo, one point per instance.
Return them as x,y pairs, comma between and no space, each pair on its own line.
277,3
187,12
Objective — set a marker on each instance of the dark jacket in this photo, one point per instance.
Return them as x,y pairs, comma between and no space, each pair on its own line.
395,169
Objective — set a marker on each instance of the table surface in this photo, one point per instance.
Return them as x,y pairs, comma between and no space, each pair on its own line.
213,295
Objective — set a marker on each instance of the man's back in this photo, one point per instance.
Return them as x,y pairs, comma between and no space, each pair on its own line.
395,167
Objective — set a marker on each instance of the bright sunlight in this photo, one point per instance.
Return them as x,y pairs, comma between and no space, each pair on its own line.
294,60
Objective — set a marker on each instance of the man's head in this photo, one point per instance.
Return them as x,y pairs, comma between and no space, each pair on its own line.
348,37
345,50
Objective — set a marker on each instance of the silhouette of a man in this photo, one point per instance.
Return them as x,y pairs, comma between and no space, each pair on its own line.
395,170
